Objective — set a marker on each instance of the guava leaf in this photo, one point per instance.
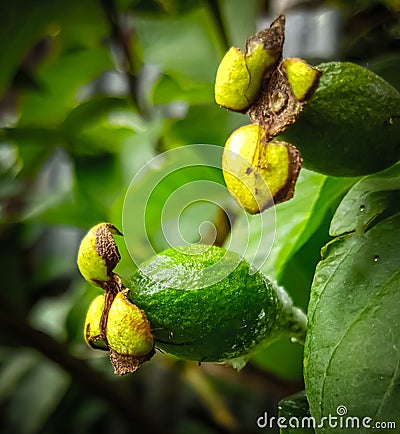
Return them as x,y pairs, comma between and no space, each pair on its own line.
239,20
290,224
285,241
41,405
283,358
352,358
373,198
61,79
315,197
186,47
25,23
297,419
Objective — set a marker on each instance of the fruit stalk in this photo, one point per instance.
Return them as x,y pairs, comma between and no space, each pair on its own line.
112,322
293,319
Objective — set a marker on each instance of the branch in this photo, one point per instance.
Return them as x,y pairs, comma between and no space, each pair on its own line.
122,40
128,406
215,8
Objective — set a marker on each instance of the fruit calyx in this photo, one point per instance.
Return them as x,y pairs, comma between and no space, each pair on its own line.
98,254
129,335
274,92
132,341
257,172
284,95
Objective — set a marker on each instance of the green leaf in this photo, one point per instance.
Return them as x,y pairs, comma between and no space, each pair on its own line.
171,197
80,195
29,408
186,46
168,89
166,224
25,22
286,240
76,56
240,20
387,66
372,199
282,358
99,181
92,111
104,144
31,136
205,123
32,146
292,223
353,341
73,32
296,414
60,78
14,367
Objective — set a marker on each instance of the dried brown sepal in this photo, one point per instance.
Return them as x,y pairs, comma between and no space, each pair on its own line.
112,287
105,245
126,364
95,341
109,298
277,106
272,40
98,254
295,164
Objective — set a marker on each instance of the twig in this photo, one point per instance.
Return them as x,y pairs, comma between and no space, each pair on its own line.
121,39
215,8
219,411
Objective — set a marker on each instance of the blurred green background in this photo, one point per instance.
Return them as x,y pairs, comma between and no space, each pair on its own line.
89,92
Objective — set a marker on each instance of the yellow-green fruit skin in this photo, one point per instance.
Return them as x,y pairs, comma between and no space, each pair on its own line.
91,332
91,265
302,77
351,125
239,77
257,61
251,185
128,330
232,69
